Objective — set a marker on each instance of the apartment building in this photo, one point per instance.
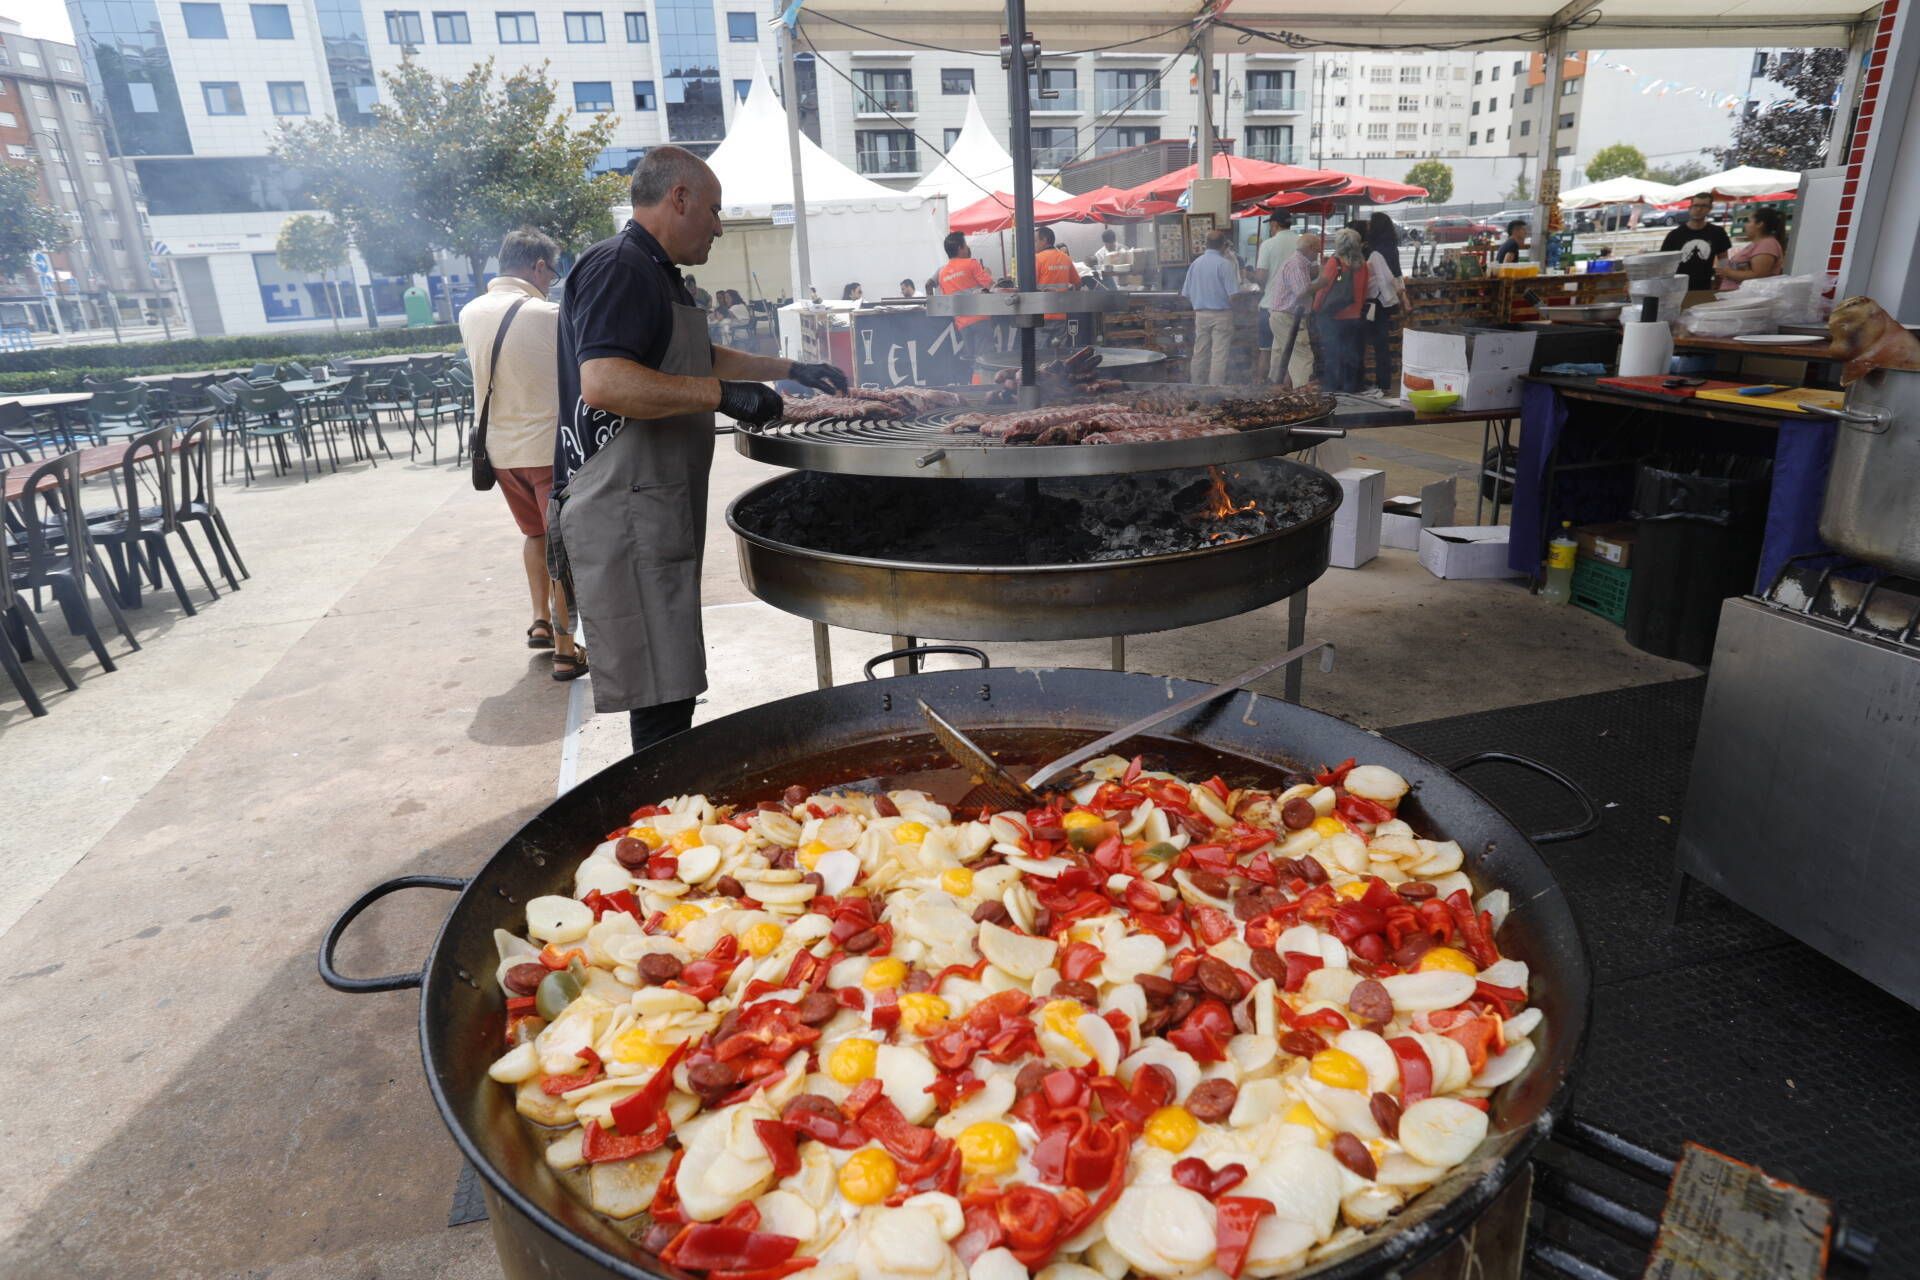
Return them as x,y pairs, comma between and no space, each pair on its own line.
48,120
1378,106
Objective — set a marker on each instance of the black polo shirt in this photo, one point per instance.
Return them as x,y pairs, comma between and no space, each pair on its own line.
618,301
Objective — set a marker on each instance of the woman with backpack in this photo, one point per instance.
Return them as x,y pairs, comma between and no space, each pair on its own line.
1336,311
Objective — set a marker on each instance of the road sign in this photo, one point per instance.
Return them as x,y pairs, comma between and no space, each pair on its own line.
42,264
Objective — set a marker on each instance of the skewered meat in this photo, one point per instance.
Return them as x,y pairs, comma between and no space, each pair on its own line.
909,401
828,408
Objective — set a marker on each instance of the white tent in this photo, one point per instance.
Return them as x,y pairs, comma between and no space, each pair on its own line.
976,166
755,170
1618,191
1741,180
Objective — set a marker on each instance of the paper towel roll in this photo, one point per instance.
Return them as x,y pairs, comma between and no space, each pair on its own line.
1646,348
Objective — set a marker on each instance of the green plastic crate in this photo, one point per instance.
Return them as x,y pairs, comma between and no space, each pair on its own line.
1601,588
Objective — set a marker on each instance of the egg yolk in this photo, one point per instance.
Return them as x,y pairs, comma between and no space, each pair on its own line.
762,938
685,840
852,1061
1080,818
639,1047
683,915
1062,1017
810,853
1301,1114
957,881
988,1147
920,1011
884,974
1326,827
910,832
869,1176
1353,890
647,836
1447,958
1171,1129
1338,1068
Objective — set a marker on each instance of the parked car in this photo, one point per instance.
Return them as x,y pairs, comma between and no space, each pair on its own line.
1458,230
1665,218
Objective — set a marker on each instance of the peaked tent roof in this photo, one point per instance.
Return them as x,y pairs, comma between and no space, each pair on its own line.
754,167
976,166
1742,180
1251,179
1617,191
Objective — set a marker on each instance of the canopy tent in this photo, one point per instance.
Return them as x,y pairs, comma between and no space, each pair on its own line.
1765,197
1252,179
1358,190
1102,204
1617,191
1741,180
754,169
976,163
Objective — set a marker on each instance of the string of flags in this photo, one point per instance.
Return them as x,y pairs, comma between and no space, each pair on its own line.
1654,86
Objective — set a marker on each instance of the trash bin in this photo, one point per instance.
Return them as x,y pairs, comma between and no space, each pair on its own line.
419,309
1699,523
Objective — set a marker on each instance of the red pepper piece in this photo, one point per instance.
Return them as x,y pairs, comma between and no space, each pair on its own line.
1212,925
1370,947
1236,1219
665,1209
778,1139
884,1123
554,1086
1219,787
639,1112
1164,927
1504,999
1080,959
1359,809
982,1232
1204,1034
1331,1019
1478,1035
1185,963
830,1129
1031,1218
709,1246
1476,931
1333,777
1132,774
885,1014
597,1145
972,971
520,1004
1091,1158
1416,1071
1299,965
1140,895
1196,1174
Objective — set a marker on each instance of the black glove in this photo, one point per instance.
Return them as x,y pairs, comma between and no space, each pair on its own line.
754,403
821,377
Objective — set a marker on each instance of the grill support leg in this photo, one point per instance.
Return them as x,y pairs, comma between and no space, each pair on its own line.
822,657
1296,636
1119,653
907,666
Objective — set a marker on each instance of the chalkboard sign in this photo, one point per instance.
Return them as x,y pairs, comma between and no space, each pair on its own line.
894,348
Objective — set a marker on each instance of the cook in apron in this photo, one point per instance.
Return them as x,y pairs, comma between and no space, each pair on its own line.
632,525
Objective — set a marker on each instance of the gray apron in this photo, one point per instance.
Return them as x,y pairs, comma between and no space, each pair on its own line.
633,525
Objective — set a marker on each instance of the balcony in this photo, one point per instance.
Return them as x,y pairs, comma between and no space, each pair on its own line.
1148,102
1065,103
888,164
882,102
1052,158
1278,154
1271,101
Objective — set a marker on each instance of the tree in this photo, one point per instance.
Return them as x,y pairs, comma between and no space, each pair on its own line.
1621,160
314,246
1674,174
454,164
26,223
1779,138
1520,189
1436,176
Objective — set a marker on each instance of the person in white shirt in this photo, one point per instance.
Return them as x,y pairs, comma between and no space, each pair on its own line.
1386,298
1110,257
1273,254
522,417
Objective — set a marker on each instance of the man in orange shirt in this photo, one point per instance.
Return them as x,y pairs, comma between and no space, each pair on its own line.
961,273
1053,269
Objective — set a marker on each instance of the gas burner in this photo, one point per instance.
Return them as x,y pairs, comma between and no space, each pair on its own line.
1852,595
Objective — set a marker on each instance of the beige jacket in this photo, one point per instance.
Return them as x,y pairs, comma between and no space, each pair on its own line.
526,398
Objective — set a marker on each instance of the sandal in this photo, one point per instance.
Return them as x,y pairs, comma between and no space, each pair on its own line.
570,666
540,634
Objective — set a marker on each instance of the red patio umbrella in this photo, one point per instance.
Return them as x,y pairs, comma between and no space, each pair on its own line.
1251,179
995,213
1359,189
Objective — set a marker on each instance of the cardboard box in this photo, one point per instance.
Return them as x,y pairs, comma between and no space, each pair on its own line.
1466,551
1356,525
1404,516
1484,366
1610,543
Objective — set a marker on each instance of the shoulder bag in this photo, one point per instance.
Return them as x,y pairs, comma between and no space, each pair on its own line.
483,478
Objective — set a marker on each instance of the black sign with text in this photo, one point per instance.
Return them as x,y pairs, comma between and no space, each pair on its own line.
912,348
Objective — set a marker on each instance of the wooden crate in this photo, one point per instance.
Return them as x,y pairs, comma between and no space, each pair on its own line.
1579,290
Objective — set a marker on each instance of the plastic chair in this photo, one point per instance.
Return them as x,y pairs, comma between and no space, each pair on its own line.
431,403
60,556
353,410
125,534
22,631
267,415
193,463
113,414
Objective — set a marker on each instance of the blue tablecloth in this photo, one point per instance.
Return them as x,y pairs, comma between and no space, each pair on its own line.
1802,451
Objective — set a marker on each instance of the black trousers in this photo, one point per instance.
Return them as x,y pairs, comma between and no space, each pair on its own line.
1380,336
649,725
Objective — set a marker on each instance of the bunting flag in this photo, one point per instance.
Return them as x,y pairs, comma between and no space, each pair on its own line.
1720,99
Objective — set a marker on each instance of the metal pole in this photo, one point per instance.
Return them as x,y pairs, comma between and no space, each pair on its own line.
790,94
1205,161
1555,55
1020,111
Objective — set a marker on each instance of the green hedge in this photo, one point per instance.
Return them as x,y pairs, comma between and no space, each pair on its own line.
74,378
220,353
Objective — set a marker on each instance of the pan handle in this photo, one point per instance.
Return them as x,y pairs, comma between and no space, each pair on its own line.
1590,813
916,650
393,981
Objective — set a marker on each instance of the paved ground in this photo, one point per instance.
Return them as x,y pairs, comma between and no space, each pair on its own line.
183,1097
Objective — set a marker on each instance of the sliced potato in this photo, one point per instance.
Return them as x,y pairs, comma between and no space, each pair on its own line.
1017,953
1442,1132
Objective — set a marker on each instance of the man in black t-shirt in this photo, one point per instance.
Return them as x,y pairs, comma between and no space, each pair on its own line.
1700,243
639,383
1514,247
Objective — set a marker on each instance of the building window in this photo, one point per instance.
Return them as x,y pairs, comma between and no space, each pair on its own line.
1526,127
637,29
117,243
1120,139
643,98
289,295
741,88
43,93
517,28
1408,102
1566,122
1495,74
16,152
1406,132
404,27
741,29
66,65
886,152
29,58
1476,106
1759,63
451,28
223,98
93,157
586,28
1569,87
204,21
289,97
1340,100
1527,95
141,97
1133,89
884,91
1411,75
593,95
1518,64
956,80
1476,77
1271,142
948,137
272,22
76,97
10,120
1473,139
1054,146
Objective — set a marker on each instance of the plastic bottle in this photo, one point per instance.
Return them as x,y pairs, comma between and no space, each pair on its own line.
1559,585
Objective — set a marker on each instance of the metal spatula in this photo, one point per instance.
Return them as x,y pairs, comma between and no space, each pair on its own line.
994,785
